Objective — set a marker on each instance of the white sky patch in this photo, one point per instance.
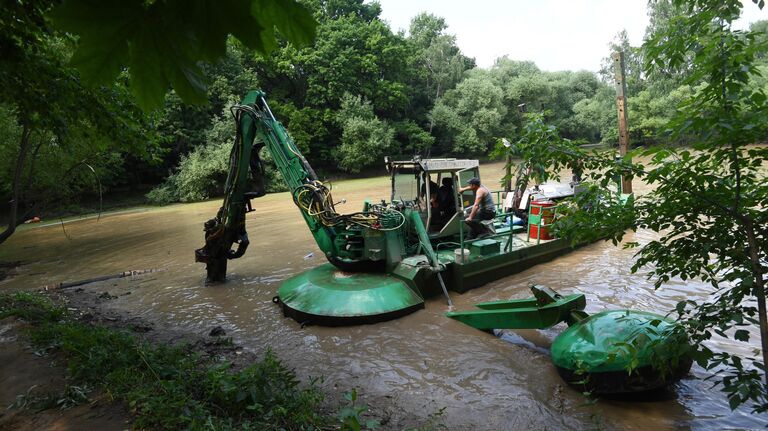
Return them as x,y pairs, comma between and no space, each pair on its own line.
556,35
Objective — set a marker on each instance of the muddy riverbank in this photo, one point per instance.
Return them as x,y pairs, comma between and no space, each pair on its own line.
35,380
413,366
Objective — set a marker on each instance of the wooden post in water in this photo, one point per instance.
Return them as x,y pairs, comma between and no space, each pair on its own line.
621,106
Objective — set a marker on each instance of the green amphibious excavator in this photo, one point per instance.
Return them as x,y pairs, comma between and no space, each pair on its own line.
384,260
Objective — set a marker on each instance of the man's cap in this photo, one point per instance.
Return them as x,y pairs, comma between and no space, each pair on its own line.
474,181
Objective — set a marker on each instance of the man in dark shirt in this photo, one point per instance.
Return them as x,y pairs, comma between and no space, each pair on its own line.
446,202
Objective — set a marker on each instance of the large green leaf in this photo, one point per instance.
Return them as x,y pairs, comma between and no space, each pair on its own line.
163,42
103,45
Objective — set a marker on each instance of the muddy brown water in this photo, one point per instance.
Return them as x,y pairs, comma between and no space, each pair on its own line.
420,363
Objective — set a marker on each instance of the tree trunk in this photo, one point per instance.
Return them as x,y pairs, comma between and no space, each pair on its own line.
13,218
31,173
757,270
437,96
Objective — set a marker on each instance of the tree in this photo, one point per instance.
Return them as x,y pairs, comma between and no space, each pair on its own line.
633,63
651,113
557,93
335,9
663,17
445,66
707,203
52,109
438,58
352,55
570,88
471,115
722,182
425,28
183,126
595,117
120,48
354,52
760,30
201,174
365,139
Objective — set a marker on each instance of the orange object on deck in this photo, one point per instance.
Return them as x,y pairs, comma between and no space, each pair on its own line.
541,215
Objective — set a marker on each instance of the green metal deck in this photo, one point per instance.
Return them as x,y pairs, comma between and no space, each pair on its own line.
515,254
489,259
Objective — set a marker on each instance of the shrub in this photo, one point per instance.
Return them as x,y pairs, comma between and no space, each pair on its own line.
202,173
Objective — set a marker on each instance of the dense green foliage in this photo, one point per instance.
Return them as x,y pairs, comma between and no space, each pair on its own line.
721,210
63,143
365,139
354,93
202,172
52,124
171,387
707,203
361,92
162,42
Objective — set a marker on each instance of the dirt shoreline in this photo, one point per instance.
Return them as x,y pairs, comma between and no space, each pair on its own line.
27,377
23,371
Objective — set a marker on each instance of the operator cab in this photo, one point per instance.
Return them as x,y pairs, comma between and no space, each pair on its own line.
430,186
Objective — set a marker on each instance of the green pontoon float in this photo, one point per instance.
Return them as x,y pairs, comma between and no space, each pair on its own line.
611,352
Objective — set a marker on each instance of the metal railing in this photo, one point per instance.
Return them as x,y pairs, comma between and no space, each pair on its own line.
500,216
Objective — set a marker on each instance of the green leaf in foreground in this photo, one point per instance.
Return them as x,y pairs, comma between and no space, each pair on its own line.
163,42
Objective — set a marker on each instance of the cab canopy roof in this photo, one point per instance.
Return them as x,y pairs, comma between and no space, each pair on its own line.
434,165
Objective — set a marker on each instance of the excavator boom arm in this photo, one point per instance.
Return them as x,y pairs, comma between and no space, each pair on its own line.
256,128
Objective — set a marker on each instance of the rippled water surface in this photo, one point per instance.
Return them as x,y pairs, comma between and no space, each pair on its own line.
421,362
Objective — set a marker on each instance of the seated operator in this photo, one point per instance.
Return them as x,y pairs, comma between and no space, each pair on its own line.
446,202
433,189
483,208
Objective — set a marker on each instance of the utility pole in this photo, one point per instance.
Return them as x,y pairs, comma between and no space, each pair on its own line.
621,106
